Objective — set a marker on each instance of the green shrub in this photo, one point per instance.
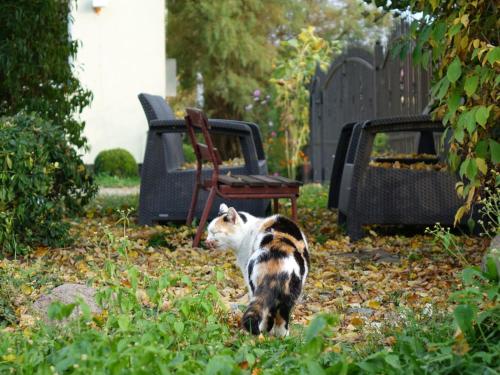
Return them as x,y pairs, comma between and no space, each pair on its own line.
189,154
116,162
41,179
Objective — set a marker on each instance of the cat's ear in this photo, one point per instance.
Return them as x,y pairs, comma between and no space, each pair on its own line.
223,208
232,215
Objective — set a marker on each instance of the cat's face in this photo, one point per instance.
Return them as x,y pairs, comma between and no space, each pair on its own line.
225,231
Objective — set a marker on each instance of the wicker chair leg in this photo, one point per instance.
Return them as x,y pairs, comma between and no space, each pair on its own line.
294,208
276,205
354,230
341,218
204,217
192,207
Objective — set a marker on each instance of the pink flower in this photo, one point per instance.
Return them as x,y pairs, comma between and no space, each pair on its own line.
273,134
256,93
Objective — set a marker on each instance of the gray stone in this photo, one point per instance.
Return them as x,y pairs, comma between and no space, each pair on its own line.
66,294
360,310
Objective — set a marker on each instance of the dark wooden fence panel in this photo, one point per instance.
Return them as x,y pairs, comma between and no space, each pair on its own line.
361,85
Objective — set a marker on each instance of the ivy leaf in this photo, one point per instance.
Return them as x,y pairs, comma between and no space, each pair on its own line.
454,70
482,115
494,55
495,151
471,85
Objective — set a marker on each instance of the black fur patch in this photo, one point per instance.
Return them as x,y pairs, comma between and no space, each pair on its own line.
295,286
251,320
250,270
282,224
266,239
288,242
243,217
271,254
300,261
306,255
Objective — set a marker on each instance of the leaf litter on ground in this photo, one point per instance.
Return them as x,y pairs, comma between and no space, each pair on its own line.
365,283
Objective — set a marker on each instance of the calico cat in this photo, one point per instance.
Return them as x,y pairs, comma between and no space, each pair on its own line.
273,255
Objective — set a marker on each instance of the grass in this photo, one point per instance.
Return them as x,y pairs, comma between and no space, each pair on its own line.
116,182
165,308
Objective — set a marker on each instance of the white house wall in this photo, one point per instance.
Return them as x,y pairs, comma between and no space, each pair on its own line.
122,54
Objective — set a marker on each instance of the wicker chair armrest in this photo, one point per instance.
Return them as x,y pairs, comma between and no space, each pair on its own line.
399,124
227,127
257,138
217,126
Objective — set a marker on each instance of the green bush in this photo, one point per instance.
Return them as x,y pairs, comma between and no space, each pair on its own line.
189,154
116,162
42,178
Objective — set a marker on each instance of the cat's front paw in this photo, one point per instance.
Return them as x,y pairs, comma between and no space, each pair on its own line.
279,331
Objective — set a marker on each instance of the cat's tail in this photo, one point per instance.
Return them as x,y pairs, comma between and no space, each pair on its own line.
260,314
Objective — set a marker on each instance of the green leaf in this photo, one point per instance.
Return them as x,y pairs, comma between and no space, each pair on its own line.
481,149
8,161
315,327
471,170
464,316
439,30
393,361
123,322
455,29
467,121
454,70
471,85
495,151
443,88
454,101
179,327
494,55
482,115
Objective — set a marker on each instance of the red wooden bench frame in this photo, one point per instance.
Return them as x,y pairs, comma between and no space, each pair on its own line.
230,187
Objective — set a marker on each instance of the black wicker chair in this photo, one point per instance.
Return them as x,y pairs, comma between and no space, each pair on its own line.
365,194
166,190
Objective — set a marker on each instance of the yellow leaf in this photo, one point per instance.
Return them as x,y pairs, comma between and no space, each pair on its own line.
434,4
465,20
26,289
40,251
336,348
373,304
357,321
481,165
476,43
9,357
460,213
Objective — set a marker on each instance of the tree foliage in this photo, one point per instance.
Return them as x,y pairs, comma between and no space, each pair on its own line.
228,43
36,64
460,38
233,43
294,69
